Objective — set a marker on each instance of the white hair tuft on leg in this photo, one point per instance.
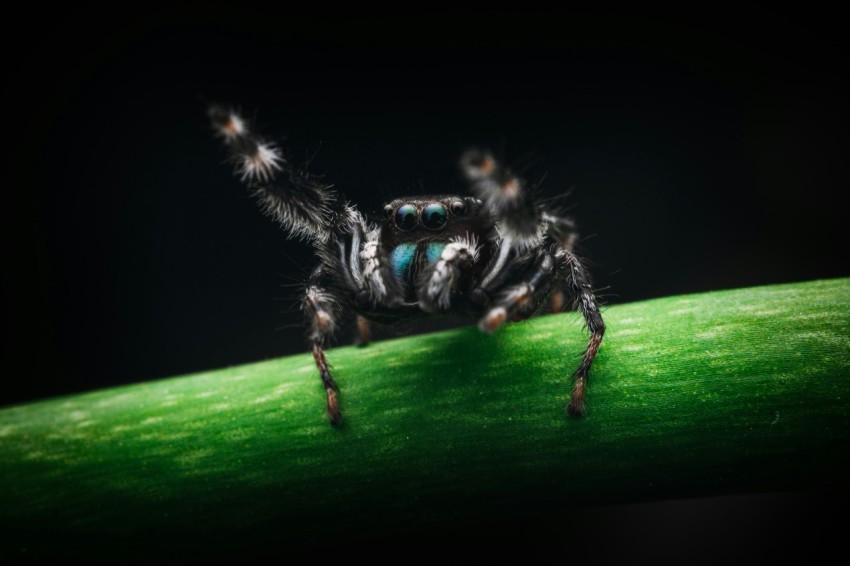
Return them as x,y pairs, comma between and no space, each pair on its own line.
260,165
303,205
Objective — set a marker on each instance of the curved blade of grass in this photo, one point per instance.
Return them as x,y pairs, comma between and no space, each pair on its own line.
715,393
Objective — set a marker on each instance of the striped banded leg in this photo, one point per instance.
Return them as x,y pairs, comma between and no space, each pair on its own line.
563,230
321,312
304,206
521,300
380,284
577,284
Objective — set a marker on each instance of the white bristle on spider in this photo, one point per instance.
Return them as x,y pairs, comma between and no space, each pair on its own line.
233,127
372,275
458,255
467,242
261,164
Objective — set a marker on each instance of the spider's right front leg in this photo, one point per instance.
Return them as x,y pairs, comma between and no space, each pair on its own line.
322,312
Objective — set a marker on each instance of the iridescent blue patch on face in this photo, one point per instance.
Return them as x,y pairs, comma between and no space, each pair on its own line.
401,258
434,250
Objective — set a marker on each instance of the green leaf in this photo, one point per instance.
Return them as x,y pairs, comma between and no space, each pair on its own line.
724,392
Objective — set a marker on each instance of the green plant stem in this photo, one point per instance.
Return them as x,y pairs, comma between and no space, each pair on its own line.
722,392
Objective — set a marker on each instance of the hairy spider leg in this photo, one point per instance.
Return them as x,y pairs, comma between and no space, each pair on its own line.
322,312
306,208
379,280
298,201
522,225
513,210
565,232
521,300
576,281
505,197
363,332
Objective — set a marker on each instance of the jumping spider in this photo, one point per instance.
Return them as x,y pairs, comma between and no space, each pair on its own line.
497,254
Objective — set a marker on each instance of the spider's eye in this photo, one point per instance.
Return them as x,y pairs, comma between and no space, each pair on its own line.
388,211
434,216
406,217
458,208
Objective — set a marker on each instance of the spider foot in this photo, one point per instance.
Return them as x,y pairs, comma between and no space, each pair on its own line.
364,333
493,320
333,407
575,408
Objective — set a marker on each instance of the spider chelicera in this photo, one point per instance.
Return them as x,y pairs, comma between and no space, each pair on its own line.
496,254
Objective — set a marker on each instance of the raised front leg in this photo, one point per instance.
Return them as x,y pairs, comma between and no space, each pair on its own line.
505,197
513,210
300,202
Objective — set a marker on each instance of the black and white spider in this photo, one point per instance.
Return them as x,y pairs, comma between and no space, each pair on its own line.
497,255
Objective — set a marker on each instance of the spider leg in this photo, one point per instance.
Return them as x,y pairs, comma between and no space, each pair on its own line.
322,312
299,202
521,300
515,212
363,335
522,225
380,285
562,229
577,281
352,263
440,281
505,197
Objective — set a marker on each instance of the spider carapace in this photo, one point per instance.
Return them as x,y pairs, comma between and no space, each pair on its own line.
496,254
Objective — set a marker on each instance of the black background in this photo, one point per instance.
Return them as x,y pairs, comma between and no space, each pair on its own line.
700,152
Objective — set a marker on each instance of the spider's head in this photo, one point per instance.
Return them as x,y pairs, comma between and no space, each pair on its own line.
417,229
432,217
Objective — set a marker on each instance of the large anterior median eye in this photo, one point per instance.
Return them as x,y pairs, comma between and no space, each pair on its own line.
406,217
434,216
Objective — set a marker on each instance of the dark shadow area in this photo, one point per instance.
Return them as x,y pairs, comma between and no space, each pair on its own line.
763,526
